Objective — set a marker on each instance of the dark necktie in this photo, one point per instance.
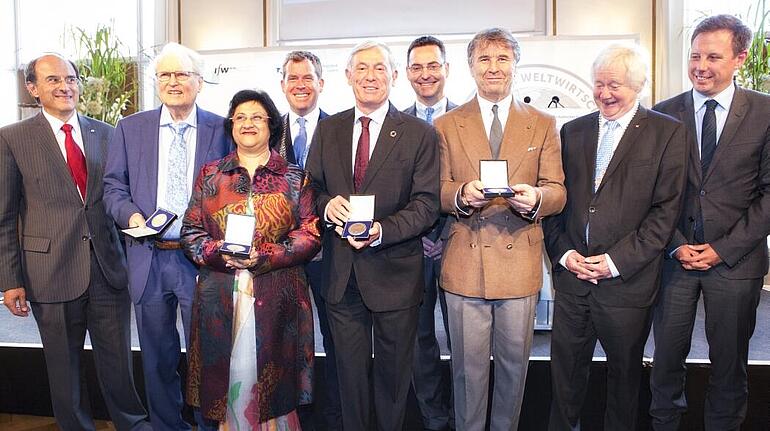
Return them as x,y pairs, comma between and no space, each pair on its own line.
75,161
300,143
362,155
708,136
495,134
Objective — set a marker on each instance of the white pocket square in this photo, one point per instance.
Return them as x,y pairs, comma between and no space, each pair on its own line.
531,148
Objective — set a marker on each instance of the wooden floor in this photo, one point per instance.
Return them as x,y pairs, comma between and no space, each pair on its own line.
38,423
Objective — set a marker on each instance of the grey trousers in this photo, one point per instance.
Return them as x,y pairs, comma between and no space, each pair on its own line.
479,328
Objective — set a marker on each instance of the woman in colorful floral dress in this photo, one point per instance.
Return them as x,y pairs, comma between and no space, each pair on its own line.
251,347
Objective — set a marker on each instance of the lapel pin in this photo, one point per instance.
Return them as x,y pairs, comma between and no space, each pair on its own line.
392,133
636,125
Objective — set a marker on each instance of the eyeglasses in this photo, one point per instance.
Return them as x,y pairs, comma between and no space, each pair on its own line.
255,119
432,67
57,80
181,76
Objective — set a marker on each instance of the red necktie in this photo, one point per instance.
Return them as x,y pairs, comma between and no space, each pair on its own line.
362,155
75,160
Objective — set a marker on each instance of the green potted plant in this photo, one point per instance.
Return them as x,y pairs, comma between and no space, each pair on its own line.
109,78
755,73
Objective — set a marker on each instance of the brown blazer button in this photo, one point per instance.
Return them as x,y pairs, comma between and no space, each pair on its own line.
509,246
473,245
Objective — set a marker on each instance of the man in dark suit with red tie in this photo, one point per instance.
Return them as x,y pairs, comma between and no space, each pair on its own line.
59,250
719,249
375,283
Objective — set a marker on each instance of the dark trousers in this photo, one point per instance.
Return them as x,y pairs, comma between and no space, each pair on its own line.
332,413
432,390
170,288
577,323
372,391
731,311
105,313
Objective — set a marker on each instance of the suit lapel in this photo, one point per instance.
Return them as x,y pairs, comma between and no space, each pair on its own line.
92,153
343,139
589,141
519,129
205,135
50,148
390,133
147,148
472,135
687,116
735,117
627,142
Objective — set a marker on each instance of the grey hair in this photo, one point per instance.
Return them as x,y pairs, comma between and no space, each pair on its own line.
173,49
494,35
369,44
632,57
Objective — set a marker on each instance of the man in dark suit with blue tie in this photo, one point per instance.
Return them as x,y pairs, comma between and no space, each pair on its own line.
427,71
302,83
719,249
59,249
624,169
153,159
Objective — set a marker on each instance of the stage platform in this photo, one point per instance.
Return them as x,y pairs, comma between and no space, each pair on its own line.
24,389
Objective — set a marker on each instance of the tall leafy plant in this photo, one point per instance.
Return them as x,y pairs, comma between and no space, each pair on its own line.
109,78
755,73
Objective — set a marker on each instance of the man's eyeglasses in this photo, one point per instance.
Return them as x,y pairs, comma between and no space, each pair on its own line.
431,67
255,119
57,80
181,76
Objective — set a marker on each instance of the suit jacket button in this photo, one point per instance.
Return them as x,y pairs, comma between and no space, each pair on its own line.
84,238
473,245
591,210
509,246
703,193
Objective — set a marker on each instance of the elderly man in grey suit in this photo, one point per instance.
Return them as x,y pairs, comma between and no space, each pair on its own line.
60,251
427,71
719,249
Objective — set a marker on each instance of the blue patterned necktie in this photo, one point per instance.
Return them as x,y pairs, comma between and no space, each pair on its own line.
604,152
176,180
300,143
429,115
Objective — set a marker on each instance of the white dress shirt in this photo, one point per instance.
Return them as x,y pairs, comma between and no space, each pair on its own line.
724,100
438,109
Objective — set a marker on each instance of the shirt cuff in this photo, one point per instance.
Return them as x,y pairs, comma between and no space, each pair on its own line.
377,241
458,202
613,269
563,260
326,220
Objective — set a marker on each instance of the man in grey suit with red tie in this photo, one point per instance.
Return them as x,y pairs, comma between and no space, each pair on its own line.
60,251
427,70
719,249
153,160
374,284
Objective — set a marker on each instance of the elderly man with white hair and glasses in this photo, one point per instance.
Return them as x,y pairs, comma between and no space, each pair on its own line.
624,170
152,160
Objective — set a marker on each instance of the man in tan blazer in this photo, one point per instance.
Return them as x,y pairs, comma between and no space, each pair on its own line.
492,267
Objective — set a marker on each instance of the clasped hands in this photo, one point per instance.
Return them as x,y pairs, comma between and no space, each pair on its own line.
525,196
697,257
338,212
590,268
